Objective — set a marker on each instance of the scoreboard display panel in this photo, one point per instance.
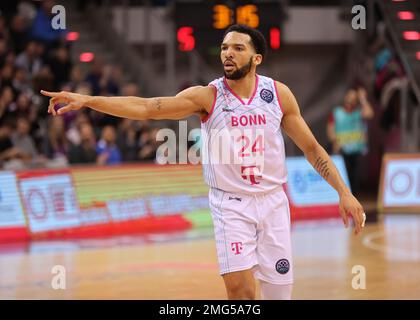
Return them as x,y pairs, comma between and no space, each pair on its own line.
201,24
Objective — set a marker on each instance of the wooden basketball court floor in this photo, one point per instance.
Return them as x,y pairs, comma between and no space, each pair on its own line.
183,265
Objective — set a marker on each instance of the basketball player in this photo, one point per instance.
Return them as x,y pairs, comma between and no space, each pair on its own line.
249,207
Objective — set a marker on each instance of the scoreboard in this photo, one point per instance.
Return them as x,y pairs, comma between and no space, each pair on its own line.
201,24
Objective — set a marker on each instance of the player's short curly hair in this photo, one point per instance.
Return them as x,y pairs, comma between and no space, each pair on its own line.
257,38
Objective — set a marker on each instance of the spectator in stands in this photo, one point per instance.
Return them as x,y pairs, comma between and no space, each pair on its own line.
347,131
43,79
28,64
4,33
25,144
7,151
106,148
7,103
23,108
29,60
56,144
4,50
94,76
85,151
148,144
387,67
127,140
74,132
7,75
390,117
27,10
111,80
20,81
42,30
19,33
61,66
390,79
76,79
41,52
22,140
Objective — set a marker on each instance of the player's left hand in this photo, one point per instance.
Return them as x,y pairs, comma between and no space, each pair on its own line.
349,205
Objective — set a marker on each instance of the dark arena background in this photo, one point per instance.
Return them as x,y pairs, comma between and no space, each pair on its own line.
88,209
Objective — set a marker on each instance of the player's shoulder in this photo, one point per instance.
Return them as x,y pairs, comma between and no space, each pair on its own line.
197,92
203,96
217,82
282,88
288,100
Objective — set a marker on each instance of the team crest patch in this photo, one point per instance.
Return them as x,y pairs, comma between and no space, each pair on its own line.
283,266
266,95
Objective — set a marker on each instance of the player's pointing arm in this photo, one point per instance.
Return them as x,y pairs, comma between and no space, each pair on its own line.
195,100
297,129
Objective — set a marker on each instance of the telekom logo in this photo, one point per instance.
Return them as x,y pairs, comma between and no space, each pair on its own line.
248,173
236,247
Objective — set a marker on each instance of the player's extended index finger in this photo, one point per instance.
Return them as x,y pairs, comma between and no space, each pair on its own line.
50,94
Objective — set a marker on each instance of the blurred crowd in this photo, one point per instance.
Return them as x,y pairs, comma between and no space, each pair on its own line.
33,56
367,121
389,83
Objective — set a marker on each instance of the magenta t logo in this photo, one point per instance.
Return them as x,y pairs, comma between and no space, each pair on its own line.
236,247
250,173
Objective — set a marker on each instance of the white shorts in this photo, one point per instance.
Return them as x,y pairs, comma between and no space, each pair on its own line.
253,231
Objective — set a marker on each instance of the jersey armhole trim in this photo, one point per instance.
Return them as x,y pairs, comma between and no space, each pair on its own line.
204,119
278,96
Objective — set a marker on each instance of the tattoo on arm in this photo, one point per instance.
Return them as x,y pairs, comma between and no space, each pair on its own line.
158,104
322,167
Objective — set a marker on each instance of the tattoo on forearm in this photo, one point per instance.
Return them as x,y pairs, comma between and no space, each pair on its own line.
322,167
158,104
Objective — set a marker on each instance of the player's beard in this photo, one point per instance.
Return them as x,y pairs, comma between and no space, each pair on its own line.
239,73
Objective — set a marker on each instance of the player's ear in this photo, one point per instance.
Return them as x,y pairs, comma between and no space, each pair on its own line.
257,59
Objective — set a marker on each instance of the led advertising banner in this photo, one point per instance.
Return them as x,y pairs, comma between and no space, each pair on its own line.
307,188
103,200
49,201
113,199
138,191
11,213
12,219
400,183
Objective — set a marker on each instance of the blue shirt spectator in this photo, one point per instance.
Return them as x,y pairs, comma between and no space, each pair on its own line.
107,149
42,28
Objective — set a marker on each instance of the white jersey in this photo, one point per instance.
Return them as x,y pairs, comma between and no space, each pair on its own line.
242,145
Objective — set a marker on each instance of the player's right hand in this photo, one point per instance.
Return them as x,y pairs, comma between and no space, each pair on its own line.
70,101
349,205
